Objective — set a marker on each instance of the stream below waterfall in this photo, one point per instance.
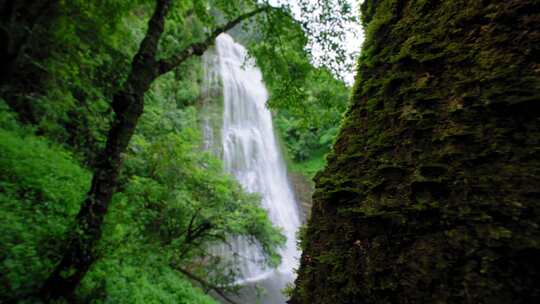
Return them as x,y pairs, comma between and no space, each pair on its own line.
246,142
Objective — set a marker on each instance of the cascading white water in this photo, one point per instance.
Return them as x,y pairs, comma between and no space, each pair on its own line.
250,152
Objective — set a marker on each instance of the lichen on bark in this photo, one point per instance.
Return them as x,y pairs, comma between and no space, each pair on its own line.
432,191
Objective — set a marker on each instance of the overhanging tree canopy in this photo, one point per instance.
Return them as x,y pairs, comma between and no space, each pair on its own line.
128,104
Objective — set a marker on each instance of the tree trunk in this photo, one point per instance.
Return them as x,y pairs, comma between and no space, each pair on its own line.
80,252
432,191
128,106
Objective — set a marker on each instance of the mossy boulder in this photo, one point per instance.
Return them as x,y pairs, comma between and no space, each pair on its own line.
432,191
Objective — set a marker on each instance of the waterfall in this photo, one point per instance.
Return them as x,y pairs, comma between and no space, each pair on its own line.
250,152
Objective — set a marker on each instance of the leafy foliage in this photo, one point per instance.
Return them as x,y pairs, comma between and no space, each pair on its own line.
308,101
167,184
312,126
173,202
41,188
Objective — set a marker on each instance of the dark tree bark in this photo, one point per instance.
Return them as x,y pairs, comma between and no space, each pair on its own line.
128,105
207,285
432,191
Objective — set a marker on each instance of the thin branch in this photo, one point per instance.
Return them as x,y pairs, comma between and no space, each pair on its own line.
198,48
198,232
193,217
156,26
204,283
140,76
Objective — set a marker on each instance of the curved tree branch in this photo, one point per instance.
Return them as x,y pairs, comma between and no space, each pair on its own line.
143,68
204,283
198,48
128,105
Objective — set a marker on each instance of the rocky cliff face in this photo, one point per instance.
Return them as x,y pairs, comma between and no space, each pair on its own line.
303,190
432,192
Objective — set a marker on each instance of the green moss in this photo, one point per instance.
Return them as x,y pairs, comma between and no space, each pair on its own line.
429,192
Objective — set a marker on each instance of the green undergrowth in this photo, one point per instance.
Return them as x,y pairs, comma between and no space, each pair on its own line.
41,188
310,166
173,202
308,102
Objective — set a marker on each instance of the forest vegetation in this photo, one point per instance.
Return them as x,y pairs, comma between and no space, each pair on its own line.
106,194
426,172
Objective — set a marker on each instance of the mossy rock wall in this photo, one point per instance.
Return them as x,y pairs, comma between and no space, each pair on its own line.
432,191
